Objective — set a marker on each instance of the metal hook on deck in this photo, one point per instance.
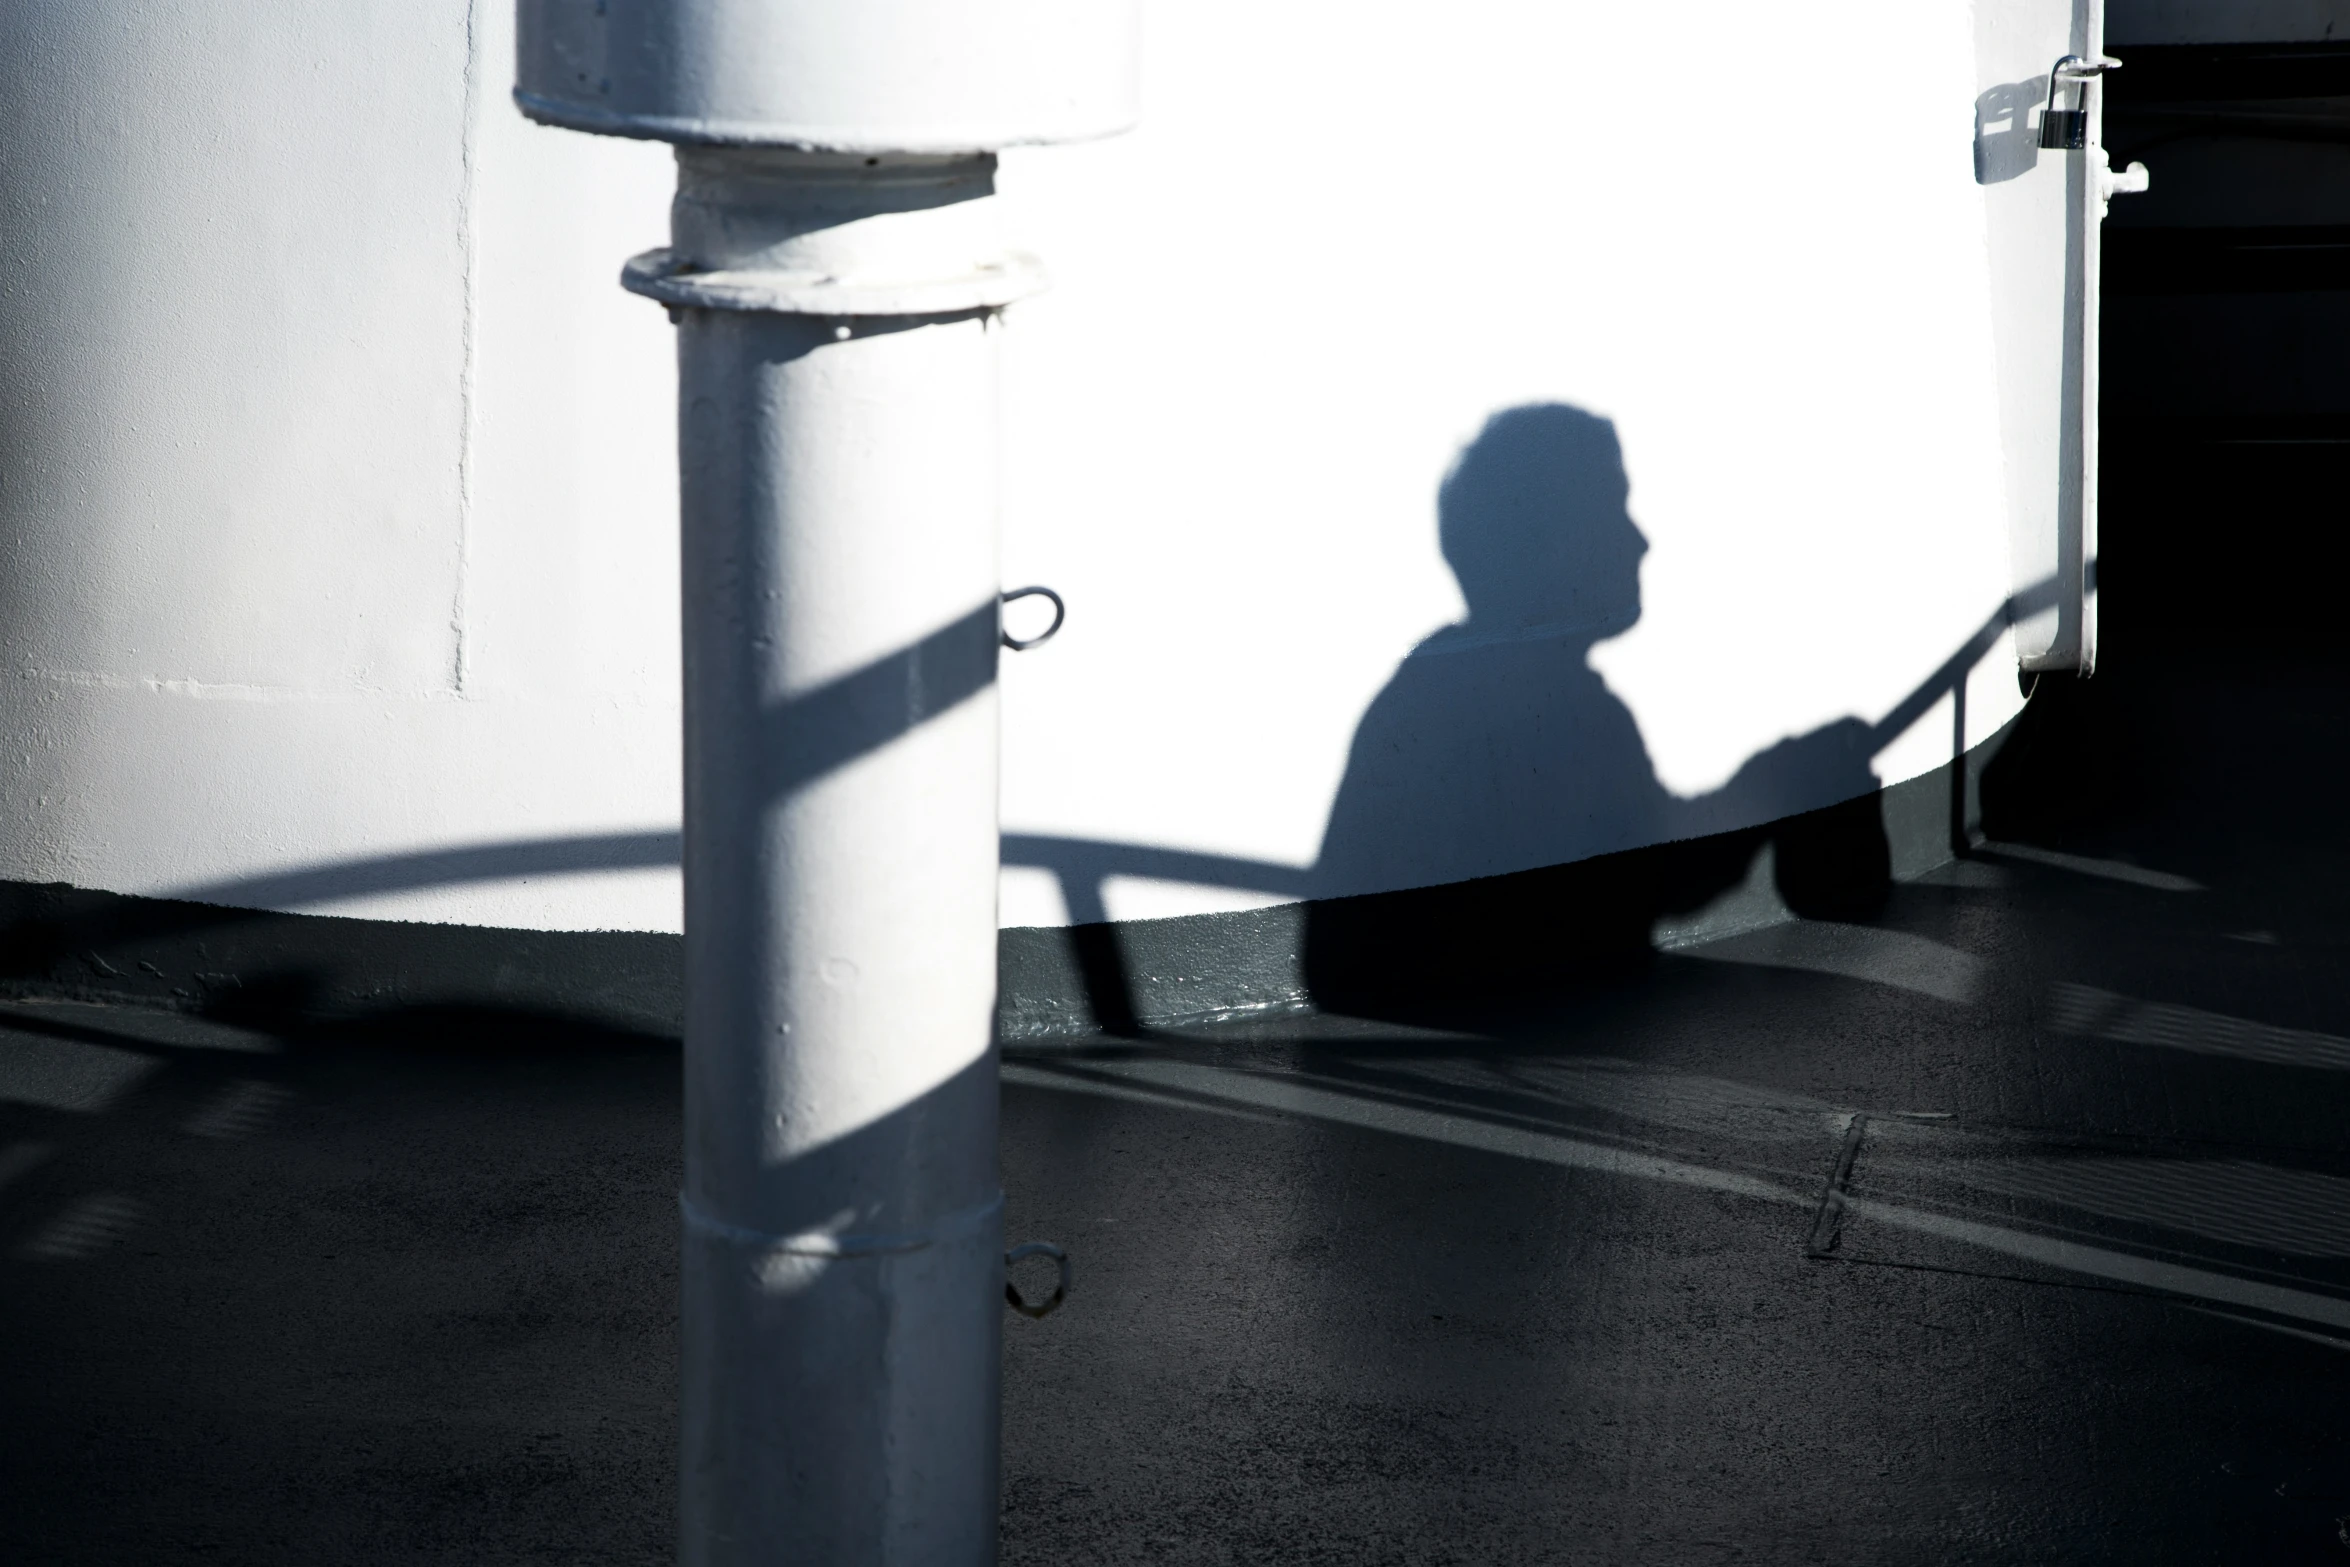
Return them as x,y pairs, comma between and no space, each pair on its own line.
1060,613
1012,1297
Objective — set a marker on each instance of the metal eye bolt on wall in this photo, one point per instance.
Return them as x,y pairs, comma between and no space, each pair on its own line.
836,276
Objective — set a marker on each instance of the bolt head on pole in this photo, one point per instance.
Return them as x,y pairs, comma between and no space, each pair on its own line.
863,76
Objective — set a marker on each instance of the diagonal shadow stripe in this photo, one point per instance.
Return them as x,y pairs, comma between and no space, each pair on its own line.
809,736
1084,863
801,740
577,855
1184,1085
1951,677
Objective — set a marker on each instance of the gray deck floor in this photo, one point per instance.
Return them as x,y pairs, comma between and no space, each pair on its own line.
1617,1278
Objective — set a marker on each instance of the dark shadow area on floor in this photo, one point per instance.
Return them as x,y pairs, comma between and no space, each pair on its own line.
295,970
1568,1284
397,1288
1498,1285
2008,1226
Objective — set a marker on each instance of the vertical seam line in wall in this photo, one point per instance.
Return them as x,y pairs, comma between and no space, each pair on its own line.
469,153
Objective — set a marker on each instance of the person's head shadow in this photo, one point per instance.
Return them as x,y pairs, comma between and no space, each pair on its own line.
1534,522
1495,745
1500,824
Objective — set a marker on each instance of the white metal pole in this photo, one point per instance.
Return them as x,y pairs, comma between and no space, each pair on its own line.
835,273
844,1246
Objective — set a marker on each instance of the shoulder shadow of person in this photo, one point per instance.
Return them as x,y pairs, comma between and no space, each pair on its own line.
1498,782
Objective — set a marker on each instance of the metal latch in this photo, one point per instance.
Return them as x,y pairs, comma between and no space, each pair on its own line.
2132,181
1023,644
2067,130
1020,1303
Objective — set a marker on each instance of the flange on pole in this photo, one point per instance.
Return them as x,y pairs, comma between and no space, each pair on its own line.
835,272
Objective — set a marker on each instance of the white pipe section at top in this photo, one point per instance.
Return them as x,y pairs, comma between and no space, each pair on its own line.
337,487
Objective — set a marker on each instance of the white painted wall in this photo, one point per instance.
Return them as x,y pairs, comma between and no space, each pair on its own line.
1287,303
338,519
335,469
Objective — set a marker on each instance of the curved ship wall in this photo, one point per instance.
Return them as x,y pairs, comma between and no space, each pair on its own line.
1464,443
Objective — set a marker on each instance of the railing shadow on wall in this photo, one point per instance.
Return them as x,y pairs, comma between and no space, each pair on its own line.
1082,868
1495,746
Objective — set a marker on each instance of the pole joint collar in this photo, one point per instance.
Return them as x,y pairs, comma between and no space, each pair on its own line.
675,282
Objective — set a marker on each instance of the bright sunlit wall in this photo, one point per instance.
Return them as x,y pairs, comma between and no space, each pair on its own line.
338,469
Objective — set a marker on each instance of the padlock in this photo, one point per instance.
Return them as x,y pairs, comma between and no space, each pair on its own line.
2067,130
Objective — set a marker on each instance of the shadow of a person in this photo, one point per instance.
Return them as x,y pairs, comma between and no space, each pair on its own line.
1496,746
